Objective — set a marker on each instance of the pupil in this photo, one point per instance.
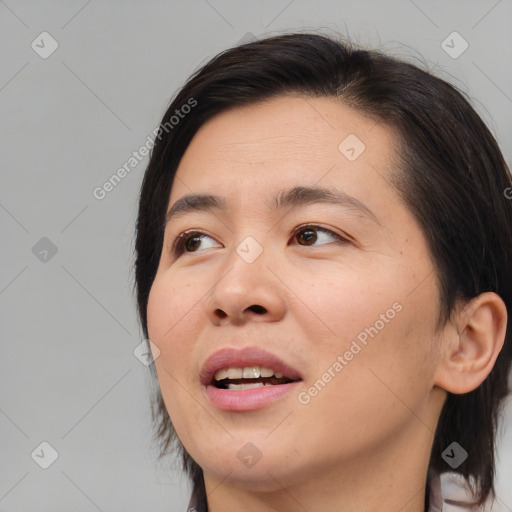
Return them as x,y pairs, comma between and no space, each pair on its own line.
309,235
191,247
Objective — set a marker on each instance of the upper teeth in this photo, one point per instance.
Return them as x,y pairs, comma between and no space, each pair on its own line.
249,372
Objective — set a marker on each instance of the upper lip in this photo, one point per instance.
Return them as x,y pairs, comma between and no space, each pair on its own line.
230,357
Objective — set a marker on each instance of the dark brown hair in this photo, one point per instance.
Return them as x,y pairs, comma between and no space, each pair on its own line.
451,175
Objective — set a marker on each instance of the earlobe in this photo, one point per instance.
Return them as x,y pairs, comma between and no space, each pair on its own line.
471,343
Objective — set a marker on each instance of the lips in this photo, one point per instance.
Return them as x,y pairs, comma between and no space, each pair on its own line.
240,358
242,396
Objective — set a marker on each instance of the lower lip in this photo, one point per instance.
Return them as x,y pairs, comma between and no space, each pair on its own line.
247,399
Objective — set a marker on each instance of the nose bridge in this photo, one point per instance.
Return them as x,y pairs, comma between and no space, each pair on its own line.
246,286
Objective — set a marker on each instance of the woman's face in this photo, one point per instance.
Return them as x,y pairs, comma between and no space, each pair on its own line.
308,254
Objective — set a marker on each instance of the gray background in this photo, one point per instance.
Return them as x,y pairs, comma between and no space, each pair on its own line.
68,122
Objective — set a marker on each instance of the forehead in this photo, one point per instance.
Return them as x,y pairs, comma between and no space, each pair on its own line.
284,141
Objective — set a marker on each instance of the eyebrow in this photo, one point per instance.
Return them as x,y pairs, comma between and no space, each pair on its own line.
295,197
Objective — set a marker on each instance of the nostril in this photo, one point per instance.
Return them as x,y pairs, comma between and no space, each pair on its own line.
258,309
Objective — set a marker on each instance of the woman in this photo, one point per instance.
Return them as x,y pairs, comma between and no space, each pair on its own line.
322,267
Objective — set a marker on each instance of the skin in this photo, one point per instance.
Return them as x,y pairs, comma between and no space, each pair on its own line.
363,442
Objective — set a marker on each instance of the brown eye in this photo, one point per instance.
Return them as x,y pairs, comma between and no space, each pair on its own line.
307,236
191,242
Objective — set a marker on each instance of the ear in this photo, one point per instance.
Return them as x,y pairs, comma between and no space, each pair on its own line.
471,342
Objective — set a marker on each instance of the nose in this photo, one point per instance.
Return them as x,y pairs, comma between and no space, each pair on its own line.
245,292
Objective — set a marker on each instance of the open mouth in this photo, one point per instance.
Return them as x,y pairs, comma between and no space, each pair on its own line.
242,379
249,377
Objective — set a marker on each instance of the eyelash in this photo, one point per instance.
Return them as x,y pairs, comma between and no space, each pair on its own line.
178,246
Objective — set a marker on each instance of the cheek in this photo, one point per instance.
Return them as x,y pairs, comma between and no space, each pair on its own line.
382,387
172,313
175,313
344,304
170,304
383,334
